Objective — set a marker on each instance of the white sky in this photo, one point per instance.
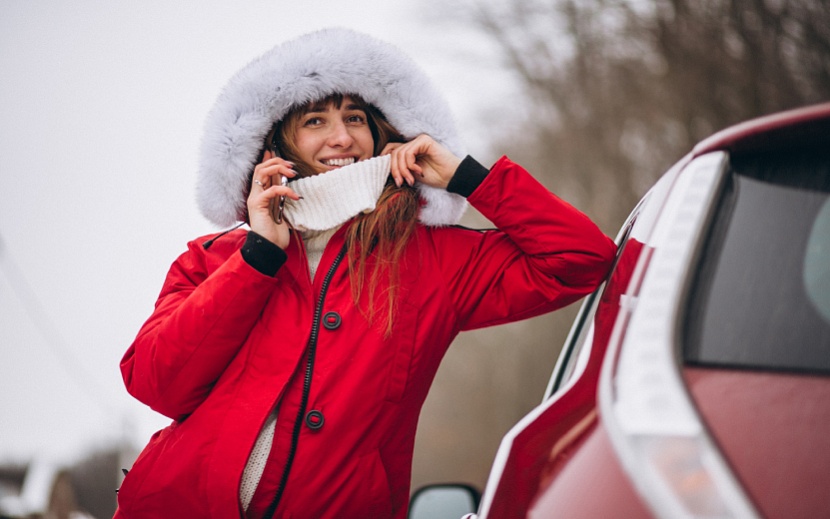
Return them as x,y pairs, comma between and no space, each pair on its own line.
101,110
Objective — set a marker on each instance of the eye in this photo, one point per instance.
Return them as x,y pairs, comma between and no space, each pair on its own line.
356,118
313,121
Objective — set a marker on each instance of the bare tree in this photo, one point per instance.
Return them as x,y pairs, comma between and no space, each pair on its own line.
625,87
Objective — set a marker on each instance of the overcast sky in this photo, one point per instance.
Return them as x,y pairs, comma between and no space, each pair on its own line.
101,109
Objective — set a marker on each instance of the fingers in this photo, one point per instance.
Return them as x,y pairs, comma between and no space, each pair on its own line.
266,189
273,192
404,159
267,177
424,158
267,185
267,173
261,209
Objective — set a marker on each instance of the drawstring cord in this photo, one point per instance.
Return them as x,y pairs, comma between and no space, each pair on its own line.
208,243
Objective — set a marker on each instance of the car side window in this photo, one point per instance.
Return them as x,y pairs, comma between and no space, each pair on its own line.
595,320
573,352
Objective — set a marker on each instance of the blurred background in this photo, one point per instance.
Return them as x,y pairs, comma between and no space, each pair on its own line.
101,110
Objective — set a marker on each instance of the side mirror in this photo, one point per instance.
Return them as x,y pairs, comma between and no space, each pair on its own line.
444,501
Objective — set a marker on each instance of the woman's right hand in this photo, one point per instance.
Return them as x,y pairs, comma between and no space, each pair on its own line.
266,189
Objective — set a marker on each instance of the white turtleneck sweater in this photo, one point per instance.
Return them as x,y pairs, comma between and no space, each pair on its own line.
329,201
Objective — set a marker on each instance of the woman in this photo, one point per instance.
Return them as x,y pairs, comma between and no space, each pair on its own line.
294,358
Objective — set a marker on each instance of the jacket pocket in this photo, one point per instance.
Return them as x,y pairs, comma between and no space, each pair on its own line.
403,341
380,503
142,467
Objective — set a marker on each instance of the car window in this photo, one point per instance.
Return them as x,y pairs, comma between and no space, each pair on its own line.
593,324
761,295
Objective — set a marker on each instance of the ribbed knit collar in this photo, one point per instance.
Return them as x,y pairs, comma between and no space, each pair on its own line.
333,198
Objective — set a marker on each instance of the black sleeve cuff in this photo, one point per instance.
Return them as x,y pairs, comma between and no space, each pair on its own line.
469,175
262,254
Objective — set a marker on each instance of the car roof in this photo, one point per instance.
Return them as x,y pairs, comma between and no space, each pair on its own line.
802,127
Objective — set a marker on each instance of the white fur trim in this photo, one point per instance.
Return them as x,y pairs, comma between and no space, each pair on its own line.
308,68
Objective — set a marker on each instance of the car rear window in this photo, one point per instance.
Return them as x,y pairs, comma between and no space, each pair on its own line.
761,295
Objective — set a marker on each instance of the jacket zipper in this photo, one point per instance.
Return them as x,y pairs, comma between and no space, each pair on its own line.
309,369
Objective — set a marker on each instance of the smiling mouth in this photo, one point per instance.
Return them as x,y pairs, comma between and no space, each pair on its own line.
339,162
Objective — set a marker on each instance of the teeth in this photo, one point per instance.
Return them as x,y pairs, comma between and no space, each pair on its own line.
339,162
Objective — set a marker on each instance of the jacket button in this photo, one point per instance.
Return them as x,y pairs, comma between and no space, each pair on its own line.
331,320
314,419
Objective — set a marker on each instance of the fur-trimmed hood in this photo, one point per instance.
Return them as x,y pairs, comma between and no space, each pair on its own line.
308,68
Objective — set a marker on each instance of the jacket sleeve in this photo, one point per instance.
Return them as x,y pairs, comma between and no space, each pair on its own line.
200,321
544,255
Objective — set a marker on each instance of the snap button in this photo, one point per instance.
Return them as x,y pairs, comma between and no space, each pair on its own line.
314,419
331,320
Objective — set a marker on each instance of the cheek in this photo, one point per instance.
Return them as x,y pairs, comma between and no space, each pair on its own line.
307,146
367,143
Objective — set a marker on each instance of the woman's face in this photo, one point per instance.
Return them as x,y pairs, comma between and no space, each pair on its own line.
329,137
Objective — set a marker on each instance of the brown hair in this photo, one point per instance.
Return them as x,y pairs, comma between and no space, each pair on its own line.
384,232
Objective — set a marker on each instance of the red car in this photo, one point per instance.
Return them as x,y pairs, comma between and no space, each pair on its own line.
696,381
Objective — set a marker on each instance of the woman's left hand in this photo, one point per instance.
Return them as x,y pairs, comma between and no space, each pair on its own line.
423,159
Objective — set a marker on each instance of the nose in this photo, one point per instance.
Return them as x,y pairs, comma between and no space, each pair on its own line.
340,137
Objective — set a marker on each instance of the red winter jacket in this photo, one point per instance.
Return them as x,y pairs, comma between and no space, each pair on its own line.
226,343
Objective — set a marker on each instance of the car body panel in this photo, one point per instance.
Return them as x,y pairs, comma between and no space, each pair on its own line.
774,429
592,484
